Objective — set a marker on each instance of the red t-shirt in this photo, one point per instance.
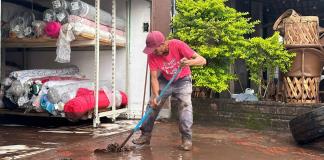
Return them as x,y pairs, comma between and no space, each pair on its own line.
169,64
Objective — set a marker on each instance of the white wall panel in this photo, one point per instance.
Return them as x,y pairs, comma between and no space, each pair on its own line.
140,13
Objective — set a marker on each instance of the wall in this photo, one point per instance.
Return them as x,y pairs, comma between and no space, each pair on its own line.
254,115
140,13
161,16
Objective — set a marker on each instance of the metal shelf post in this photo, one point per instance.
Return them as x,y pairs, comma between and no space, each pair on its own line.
113,81
96,119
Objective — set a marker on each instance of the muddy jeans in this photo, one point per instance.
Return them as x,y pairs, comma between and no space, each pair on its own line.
181,90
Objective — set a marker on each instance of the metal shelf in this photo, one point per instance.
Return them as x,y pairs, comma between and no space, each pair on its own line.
81,41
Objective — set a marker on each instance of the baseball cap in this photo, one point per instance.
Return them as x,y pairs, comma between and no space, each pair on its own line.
153,40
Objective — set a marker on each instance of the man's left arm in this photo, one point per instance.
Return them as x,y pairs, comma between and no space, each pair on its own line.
196,60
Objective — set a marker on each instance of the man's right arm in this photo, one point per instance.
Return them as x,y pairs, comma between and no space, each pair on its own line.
155,88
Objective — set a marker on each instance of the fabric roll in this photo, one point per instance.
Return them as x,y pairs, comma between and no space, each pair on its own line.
82,25
63,49
118,98
62,16
80,28
84,102
85,10
55,94
38,28
11,9
29,18
52,29
6,82
124,100
46,105
46,86
8,104
17,26
88,11
16,89
25,75
49,15
60,4
18,93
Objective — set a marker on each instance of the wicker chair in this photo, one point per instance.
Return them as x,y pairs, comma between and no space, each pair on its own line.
303,36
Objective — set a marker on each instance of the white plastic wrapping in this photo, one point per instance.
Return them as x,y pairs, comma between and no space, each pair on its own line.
49,15
60,4
63,50
85,10
17,26
62,16
38,28
21,25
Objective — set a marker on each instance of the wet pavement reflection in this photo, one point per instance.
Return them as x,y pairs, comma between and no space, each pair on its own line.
210,142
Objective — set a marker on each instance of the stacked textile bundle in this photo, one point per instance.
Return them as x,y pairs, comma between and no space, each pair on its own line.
60,92
27,23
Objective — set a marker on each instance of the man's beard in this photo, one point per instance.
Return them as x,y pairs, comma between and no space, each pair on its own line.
165,53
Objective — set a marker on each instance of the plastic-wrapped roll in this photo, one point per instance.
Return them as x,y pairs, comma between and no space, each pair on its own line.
21,75
28,17
17,26
62,16
38,28
16,89
60,4
120,24
49,15
28,31
46,105
6,82
54,94
82,9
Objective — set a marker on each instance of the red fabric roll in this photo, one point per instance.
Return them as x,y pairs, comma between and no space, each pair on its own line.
52,29
84,102
124,98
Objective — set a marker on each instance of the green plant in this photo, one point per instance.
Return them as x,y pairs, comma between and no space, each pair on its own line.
266,55
218,33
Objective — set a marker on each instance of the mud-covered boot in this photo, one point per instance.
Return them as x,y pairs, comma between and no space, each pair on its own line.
186,145
143,139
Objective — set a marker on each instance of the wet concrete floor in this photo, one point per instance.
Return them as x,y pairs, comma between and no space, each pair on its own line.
24,137
210,142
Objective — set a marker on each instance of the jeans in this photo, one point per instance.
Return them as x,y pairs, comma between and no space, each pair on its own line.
181,89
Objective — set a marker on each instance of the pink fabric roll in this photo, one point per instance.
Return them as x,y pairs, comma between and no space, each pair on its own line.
52,29
73,18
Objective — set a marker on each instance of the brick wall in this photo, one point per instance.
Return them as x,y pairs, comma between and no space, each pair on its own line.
255,115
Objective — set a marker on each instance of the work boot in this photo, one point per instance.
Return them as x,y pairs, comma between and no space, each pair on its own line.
186,145
143,139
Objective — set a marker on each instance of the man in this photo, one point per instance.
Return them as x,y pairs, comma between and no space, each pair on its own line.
166,56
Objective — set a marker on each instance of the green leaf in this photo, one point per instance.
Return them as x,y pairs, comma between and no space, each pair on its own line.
218,33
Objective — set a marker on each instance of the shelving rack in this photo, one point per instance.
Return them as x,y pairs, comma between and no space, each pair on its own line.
81,41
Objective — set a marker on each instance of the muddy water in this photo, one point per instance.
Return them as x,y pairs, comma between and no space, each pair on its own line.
22,137
210,142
